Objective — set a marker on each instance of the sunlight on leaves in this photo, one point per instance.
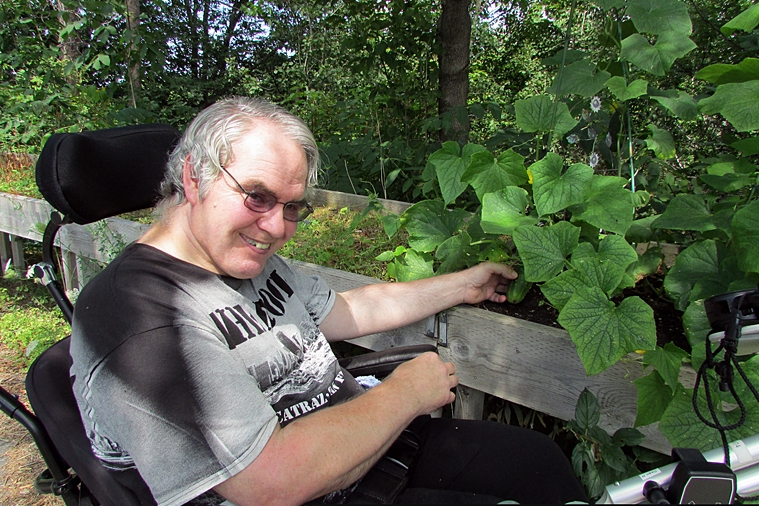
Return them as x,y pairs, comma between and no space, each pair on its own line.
603,332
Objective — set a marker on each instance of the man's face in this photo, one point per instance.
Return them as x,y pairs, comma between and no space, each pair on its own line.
227,237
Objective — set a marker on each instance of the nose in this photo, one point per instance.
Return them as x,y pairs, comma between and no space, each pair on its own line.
273,221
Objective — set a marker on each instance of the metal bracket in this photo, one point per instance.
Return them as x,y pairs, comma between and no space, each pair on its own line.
437,328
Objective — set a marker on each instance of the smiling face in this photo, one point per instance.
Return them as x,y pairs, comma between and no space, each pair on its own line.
224,236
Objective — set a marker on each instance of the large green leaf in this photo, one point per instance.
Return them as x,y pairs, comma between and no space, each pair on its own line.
414,266
540,114
680,104
609,4
653,398
746,21
543,250
730,164
660,16
693,263
614,256
737,102
661,143
681,425
429,223
608,205
450,163
456,253
686,212
723,73
697,327
728,182
619,88
505,210
748,147
579,78
668,361
587,410
656,59
488,174
558,290
603,332
604,270
554,191
746,236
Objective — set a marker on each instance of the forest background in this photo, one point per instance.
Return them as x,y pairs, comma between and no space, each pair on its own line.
381,83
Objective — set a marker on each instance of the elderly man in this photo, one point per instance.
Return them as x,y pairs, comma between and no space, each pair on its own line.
202,361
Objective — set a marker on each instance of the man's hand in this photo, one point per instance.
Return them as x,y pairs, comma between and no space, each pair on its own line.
426,381
487,281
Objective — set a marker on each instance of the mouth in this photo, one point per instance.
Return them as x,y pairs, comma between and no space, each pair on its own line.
258,245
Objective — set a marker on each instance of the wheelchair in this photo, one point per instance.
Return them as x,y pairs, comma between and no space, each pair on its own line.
87,177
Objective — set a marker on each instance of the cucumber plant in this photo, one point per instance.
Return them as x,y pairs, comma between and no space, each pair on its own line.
573,229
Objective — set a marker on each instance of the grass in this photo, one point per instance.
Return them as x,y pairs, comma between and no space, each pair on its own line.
29,322
17,176
336,238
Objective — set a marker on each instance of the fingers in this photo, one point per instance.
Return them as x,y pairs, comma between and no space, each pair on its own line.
504,270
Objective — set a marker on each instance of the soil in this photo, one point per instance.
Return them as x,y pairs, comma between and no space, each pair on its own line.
669,323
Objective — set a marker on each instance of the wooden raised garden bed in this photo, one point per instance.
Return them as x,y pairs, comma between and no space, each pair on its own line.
523,362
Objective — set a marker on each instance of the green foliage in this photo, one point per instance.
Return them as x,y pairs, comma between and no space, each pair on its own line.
598,458
29,323
573,225
341,239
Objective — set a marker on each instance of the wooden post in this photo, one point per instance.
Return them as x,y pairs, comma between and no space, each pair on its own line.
17,251
469,403
70,270
5,250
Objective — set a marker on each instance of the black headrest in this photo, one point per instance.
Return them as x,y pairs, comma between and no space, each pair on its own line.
89,176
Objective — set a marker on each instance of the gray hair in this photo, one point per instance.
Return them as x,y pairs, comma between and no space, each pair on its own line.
208,144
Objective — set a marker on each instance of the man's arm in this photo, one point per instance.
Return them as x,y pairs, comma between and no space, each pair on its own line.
385,306
333,447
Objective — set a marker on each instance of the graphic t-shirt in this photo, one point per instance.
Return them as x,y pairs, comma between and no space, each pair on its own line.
184,374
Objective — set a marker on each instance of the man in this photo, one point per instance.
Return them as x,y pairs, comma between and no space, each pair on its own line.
202,359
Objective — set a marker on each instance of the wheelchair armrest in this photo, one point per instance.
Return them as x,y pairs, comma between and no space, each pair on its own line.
382,363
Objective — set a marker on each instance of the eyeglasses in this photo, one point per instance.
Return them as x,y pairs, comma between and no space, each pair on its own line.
261,202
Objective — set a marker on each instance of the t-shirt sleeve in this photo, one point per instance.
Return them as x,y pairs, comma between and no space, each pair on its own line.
188,413
314,292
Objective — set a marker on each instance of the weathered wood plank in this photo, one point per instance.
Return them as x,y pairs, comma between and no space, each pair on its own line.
23,216
333,199
523,362
538,366
469,403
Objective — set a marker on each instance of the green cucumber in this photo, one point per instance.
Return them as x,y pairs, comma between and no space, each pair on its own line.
518,288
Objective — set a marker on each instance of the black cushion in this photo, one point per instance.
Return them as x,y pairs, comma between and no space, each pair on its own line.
49,389
88,176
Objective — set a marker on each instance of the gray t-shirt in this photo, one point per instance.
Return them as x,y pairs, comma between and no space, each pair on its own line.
184,374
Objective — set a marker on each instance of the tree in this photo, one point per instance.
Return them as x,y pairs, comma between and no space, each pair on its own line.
454,34
133,53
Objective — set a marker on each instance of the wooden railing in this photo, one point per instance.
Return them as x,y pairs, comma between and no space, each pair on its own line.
526,363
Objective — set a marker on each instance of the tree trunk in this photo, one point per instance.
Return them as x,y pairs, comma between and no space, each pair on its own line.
71,47
454,34
133,54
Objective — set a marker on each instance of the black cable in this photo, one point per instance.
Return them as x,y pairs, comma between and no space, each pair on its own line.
724,369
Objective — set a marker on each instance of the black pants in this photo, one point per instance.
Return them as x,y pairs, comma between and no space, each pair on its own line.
466,461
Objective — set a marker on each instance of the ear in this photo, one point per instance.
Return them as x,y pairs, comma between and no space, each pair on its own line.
190,183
